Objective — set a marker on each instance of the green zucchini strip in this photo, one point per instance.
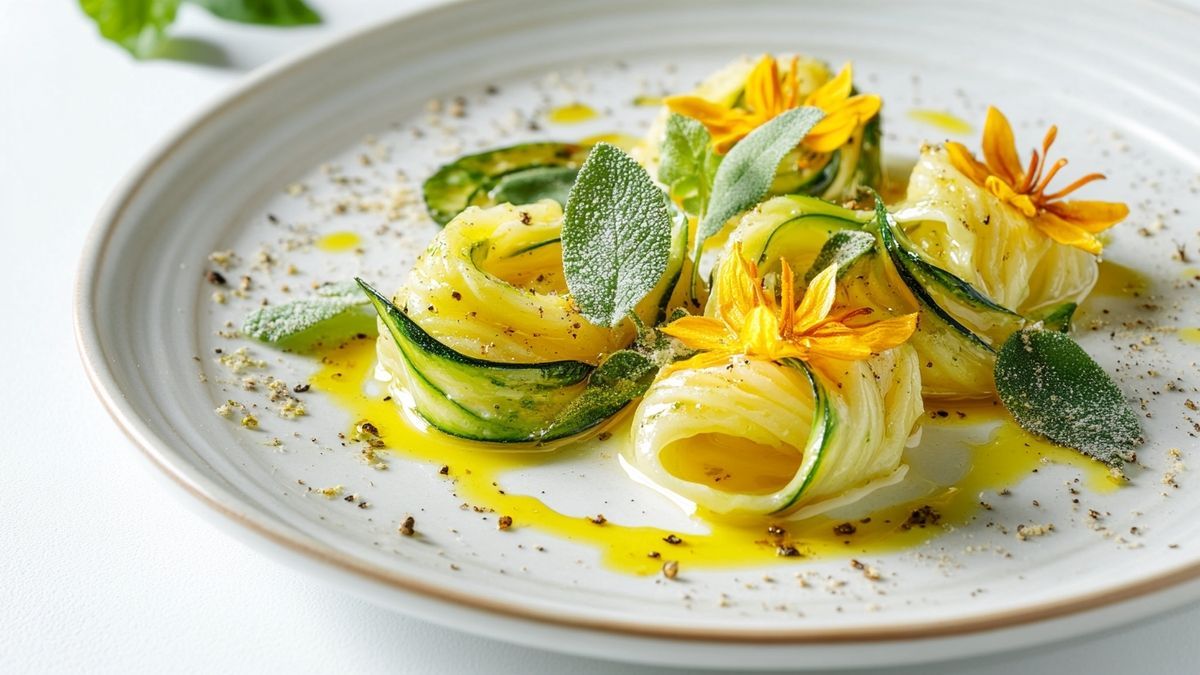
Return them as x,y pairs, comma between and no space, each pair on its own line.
518,174
473,398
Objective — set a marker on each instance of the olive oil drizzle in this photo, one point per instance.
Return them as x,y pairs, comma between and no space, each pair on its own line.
1007,456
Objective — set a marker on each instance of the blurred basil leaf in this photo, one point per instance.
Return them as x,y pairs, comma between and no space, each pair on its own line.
140,26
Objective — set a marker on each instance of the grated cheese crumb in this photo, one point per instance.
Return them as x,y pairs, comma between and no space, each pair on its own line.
1027,532
240,360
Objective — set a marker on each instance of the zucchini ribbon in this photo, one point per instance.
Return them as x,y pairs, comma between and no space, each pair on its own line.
484,342
755,437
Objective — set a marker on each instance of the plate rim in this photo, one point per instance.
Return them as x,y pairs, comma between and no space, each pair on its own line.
235,510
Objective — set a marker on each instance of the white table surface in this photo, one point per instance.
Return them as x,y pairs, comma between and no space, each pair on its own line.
101,569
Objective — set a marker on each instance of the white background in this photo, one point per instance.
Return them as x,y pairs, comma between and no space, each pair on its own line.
101,568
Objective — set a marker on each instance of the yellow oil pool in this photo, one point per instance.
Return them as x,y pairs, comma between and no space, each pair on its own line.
1008,456
1117,280
572,113
339,242
941,120
1191,335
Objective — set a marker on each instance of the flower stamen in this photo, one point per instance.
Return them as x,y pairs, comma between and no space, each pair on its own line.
1090,178
1045,182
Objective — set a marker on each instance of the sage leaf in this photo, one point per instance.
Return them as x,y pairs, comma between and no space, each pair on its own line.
263,12
688,164
531,185
842,248
746,173
616,236
622,377
313,316
1054,389
1058,317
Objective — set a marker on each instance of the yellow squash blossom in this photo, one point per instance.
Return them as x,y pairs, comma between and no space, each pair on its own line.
767,95
1074,223
754,325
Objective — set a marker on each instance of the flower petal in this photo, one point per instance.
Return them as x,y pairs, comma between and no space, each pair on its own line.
723,141
965,162
834,91
852,343
887,333
787,299
791,84
700,332
817,301
842,115
1000,148
1067,233
1022,202
865,106
711,115
699,361
832,131
762,93
740,288
760,334
727,126
1093,217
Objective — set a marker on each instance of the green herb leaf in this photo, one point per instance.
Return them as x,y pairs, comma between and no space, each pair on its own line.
140,26
264,12
531,185
1057,317
688,163
616,236
136,25
1054,389
842,248
622,377
746,173
332,310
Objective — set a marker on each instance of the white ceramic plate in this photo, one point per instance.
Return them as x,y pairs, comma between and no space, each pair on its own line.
1119,82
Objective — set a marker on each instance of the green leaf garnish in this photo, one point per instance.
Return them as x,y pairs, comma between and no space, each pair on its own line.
1054,389
136,25
746,173
531,185
334,310
622,377
140,26
842,248
688,164
1057,317
616,236
263,12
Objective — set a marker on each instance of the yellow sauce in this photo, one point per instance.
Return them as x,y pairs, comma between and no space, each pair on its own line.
1191,335
572,113
1011,453
339,242
1117,280
941,120
1008,456
895,180
730,464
